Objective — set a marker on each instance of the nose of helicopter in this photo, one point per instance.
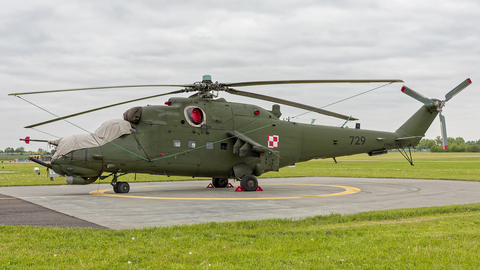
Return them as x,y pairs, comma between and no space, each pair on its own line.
76,175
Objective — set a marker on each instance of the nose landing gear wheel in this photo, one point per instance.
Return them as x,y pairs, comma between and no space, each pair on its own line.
249,182
121,187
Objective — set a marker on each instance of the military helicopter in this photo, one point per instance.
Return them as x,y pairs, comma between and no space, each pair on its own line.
206,136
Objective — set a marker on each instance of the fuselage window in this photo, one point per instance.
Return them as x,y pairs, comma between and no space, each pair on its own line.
177,143
209,145
224,146
191,144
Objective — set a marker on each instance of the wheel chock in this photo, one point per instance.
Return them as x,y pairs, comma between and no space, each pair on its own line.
229,185
210,186
240,189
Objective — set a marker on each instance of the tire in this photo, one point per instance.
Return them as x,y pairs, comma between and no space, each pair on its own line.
123,187
249,183
220,182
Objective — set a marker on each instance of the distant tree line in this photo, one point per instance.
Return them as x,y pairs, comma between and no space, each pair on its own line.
21,151
454,145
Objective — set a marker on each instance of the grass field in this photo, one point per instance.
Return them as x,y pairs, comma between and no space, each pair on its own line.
451,166
422,238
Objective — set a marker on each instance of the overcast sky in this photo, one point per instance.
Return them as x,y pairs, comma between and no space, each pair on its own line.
47,45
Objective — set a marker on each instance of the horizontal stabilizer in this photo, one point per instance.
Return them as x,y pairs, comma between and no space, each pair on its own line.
408,138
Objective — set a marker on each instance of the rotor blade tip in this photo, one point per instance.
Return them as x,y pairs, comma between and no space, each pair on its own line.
403,89
469,80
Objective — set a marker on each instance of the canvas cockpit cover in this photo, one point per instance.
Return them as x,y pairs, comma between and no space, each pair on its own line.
107,132
133,115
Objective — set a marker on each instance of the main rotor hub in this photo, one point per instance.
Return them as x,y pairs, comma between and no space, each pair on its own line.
206,88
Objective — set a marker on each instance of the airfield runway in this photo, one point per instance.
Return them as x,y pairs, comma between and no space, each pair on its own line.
188,202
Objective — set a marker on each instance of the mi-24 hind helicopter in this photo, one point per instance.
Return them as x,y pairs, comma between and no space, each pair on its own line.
206,136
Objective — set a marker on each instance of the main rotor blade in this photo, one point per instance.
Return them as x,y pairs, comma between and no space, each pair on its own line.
443,128
457,89
289,103
416,95
101,108
103,87
223,84
305,81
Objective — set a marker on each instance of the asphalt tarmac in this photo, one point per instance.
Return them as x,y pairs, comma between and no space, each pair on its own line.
14,211
189,202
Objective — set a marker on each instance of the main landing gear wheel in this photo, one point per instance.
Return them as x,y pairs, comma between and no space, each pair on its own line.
220,182
249,182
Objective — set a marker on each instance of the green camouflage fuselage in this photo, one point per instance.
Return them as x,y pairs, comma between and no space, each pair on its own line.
233,140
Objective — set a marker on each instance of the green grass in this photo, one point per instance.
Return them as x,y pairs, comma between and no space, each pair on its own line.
464,169
417,157
451,166
21,174
423,238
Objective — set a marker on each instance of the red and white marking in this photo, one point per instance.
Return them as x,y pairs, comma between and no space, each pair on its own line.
273,141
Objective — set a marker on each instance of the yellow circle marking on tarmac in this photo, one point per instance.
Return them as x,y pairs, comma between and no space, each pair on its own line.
348,190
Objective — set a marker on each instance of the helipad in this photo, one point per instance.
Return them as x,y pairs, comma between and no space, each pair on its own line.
176,203
159,189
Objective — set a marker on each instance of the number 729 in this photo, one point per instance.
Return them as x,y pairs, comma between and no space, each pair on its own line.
357,140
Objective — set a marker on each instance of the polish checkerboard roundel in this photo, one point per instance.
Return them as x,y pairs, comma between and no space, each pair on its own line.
273,141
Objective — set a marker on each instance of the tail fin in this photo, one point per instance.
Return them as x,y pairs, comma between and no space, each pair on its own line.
418,124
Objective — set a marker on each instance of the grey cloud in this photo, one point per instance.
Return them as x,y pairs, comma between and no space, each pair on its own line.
432,45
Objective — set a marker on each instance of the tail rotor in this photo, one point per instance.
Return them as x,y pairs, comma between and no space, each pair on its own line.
443,128
457,89
438,104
